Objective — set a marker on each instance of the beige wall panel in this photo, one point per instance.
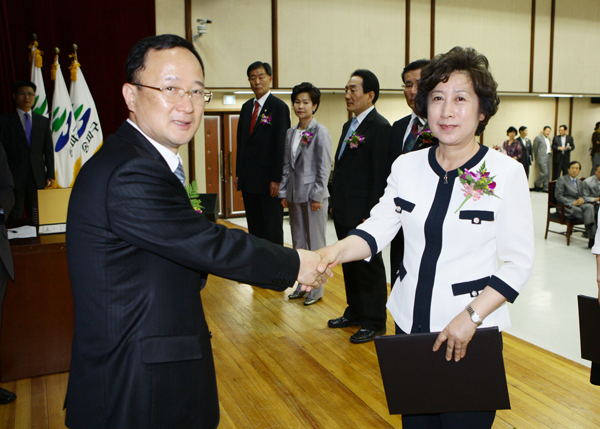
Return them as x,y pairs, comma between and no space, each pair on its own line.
420,29
498,29
324,41
170,17
533,112
585,116
576,38
240,34
541,48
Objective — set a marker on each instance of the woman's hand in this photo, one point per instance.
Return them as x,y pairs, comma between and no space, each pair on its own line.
315,206
284,203
458,333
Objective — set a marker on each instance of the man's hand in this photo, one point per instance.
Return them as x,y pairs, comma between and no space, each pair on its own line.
274,189
312,274
235,182
579,201
50,183
315,206
284,203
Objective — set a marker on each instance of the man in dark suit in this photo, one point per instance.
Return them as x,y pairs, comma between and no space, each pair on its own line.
7,199
139,254
562,145
569,191
403,139
261,130
526,149
359,179
27,140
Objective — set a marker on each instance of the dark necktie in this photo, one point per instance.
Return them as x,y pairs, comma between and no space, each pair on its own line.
254,116
411,139
28,128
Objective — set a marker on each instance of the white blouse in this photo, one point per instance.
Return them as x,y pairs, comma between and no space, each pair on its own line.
449,258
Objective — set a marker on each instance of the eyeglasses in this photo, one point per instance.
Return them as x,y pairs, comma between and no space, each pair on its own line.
26,94
174,94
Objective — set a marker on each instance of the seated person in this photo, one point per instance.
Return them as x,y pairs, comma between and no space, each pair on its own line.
569,192
591,189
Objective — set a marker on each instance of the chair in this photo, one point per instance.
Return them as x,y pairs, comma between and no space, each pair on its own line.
556,213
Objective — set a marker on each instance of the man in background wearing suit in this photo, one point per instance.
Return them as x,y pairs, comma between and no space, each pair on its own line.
562,145
542,149
28,144
569,191
526,148
263,123
359,179
403,139
139,254
7,199
591,189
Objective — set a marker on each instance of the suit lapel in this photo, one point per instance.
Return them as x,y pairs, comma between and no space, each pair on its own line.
262,111
341,143
362,127
16,123
301,148
142,145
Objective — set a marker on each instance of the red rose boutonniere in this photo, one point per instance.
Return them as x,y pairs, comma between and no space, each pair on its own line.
354,140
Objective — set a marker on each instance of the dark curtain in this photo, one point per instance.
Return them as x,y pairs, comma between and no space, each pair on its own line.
104,31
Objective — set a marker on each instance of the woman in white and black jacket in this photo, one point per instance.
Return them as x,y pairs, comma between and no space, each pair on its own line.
455,224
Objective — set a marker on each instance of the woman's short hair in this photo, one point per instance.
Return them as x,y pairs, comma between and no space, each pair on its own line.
312,91
474,65
511,130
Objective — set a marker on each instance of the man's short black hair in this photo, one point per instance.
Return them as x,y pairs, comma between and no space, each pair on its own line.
564,126
370,82
137,56
258,64
415,65
597,125
14,88
522,128
547,126
574,162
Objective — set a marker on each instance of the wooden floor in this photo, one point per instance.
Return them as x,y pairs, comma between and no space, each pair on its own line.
279,366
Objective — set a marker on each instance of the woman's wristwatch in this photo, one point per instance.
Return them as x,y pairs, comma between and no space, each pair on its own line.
474,316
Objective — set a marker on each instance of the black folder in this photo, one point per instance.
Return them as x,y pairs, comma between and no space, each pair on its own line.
589,327
420,381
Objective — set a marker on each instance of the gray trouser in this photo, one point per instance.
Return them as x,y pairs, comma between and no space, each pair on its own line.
308,231
545,165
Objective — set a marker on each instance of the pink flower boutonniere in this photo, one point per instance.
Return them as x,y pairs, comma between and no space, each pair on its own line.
354,140
265,119
476,184
306,137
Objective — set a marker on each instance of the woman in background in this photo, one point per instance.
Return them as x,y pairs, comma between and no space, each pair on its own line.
306,168
511,146
462,206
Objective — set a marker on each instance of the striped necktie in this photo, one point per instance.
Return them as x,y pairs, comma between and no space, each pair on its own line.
180,173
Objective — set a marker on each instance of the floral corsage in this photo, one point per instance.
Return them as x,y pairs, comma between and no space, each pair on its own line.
476,184
265,119
306,137
194,196
354,140
426,138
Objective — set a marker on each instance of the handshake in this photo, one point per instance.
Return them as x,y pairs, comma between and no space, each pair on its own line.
315,267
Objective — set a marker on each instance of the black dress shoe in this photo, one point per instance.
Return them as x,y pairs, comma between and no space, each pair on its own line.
6,397
365,335
342,322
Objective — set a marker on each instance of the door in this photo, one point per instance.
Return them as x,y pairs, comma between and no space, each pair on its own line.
220,143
